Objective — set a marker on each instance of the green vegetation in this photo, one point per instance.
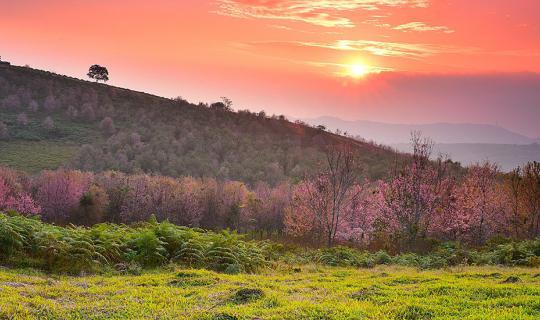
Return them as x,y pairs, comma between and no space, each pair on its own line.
283,292
35,156
28,242
107,128
32,148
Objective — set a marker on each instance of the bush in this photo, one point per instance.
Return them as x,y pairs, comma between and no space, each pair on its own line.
29,242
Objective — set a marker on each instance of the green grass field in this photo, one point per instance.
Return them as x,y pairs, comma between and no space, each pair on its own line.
34,156
31,148
283,292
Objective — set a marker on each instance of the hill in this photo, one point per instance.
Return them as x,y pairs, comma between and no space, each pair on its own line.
49,120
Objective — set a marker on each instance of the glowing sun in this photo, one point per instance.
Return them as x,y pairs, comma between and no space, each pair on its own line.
358,70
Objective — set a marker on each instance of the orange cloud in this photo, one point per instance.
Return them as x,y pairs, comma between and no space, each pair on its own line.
326,13
420,26
377,48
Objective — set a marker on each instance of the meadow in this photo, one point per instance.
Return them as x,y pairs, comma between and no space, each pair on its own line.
283,292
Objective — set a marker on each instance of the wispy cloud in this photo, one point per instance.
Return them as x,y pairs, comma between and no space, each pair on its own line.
378,48
421,26
326,13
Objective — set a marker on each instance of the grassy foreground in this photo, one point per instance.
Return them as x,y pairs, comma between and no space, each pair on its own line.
283,292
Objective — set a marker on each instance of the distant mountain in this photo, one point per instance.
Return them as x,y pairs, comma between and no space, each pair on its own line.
387,133
466,143
508,156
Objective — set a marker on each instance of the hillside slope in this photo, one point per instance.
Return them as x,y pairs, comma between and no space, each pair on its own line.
49,120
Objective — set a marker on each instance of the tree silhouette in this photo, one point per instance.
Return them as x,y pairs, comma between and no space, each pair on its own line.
98,73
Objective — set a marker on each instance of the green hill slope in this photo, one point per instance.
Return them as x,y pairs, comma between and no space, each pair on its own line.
49,120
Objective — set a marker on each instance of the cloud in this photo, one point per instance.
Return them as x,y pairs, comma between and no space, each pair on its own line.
420,26
377,48
326,13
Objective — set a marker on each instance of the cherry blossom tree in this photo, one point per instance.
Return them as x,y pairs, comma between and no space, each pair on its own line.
167,198
19,201
480,204
411,203
322,203
59,193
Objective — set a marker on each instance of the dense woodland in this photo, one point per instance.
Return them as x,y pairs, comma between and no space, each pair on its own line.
95,127
422,205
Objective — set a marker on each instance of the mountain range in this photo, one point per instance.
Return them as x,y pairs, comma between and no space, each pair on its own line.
464,142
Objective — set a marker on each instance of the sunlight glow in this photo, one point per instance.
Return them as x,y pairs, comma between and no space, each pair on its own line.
358,70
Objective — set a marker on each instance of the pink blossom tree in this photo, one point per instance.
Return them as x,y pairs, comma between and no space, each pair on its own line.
322,203
59,193
411,204
168,198
481,205
21,202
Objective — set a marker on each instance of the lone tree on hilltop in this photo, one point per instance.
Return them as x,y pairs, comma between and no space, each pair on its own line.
98,73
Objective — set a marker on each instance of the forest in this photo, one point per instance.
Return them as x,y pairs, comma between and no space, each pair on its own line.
421,205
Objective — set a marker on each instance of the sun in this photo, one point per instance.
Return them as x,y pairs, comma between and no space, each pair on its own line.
358,70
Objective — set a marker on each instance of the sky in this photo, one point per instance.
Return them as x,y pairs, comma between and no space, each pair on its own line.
398,61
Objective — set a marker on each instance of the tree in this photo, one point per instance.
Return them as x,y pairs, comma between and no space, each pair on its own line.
59,193
87,112
22,119
51,103
21,202
480,204
322,203
72,112
93,205
107,126
410,203
48,124
4,133
98,73
12,102
515,188
531,198
33,106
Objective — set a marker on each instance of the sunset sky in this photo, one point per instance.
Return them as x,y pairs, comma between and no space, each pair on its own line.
402,61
